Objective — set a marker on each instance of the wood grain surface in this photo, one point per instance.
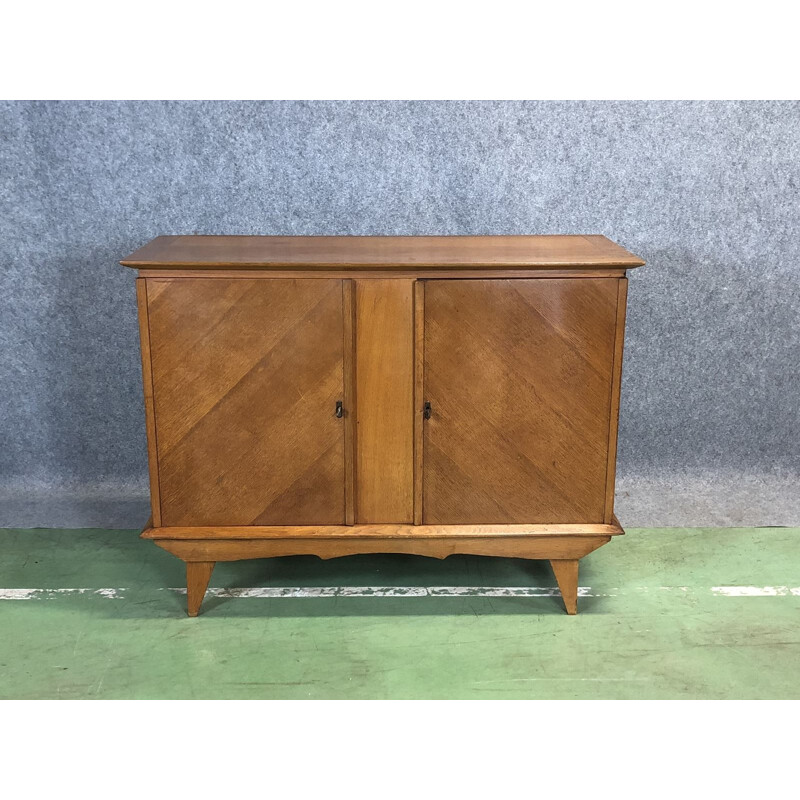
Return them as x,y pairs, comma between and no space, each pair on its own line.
419,394
249,345
149,413
349,418
344,273
518,374
566,572
322,252
616,387
382,531
246,376
198,574
553,547
385,401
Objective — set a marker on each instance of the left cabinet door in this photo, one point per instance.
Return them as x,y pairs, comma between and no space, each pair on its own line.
246,378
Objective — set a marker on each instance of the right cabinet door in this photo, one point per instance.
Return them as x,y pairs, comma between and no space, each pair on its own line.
518,374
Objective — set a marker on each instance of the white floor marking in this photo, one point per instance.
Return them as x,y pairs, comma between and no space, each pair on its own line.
51,594
390,591
404,591
755,591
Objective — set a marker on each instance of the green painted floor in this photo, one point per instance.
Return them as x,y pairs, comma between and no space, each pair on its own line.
669,613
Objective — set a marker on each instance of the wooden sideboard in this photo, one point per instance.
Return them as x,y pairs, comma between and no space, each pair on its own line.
338,395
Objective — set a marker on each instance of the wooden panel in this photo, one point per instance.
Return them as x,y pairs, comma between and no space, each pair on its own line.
419,394
149,413
383,531
349,366
384,401
554,547
518,375
246,376
457,252
423,270
616,381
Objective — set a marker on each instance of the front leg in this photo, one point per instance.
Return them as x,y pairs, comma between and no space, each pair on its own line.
566,571
198,574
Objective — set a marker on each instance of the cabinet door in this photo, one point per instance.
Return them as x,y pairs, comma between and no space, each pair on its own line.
246,377
519,376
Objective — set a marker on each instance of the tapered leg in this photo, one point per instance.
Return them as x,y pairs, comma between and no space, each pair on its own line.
198,574
566,570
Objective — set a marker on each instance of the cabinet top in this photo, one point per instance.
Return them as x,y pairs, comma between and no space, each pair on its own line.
380,252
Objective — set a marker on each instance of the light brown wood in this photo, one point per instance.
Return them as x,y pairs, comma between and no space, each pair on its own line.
249,343
555,547
566,572
323,252
616,386
384,401
349,419
419,394
423,271
198,574
147,385
563,552
377,531
518,375
246,377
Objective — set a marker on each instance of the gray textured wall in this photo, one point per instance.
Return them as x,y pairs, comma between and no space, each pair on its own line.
707,193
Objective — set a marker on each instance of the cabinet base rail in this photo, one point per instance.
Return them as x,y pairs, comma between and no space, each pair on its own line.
548,542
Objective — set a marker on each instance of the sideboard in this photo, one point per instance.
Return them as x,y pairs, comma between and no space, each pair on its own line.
338,395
